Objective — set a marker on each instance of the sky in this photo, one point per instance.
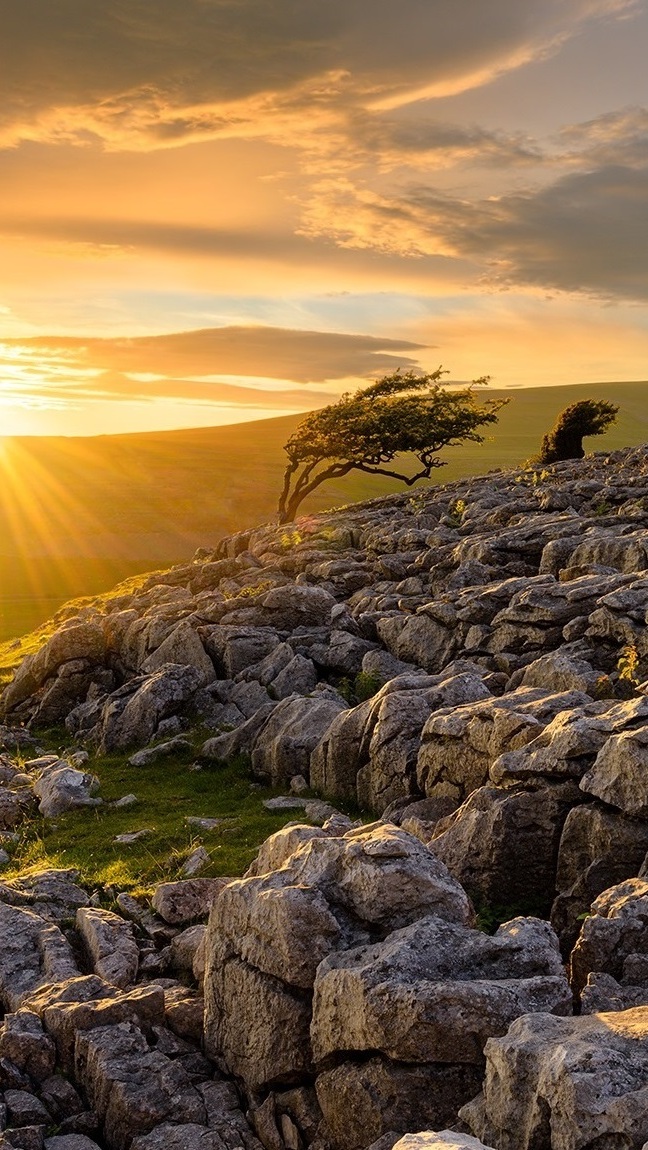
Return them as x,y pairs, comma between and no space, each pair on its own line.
220,210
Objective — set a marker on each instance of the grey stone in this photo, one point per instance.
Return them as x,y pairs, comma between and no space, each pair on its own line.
61,787
577,1082
180,903
131,1087
150,755
110,943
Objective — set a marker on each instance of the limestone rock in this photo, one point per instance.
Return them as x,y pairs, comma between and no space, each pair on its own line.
52,894
24,1042
599,848
360,1101
439,1141
180,903
283,746
34,952
131,1087
61,787
566,1082
132,715
88,1002
459,745
267,934
76,641
434,992
182,646
619,775
110,943
237,648
559,671
150,755
502,845
616,930
70,1142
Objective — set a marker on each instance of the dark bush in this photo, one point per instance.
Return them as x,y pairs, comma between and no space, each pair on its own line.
575,423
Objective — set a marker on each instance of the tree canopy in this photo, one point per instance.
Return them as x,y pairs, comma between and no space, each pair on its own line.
575,423
399,415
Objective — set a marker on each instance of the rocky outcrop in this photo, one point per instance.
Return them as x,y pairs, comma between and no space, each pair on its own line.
566,1082
105,1061
352,964
468,664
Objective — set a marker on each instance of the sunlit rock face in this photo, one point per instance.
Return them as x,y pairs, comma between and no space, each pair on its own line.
471,677
351,965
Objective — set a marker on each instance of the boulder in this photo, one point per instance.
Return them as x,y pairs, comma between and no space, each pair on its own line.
599,847
298,677
267,934
24,1042
61,787
182,646
558,671
619,775
110,943
180,903
87,1002
369,753
428,639
132,1088
34,952
283,746
460,745
364,1100
168,749
398,720
53,895
70,1142
430,1140
183,1136
132,715
434,992
297,605
234,649
615,932
580,1083
78,640
502,845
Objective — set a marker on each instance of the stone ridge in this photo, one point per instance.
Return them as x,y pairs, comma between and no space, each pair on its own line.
467,663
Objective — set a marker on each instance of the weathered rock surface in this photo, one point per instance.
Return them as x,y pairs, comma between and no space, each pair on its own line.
614,938
336,950
61,787
180,903
470,664
110,944
437,1141
580,1083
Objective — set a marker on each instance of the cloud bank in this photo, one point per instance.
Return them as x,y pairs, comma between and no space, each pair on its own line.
137,74
262,352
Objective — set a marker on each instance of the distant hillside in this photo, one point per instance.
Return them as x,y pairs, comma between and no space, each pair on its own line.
78,514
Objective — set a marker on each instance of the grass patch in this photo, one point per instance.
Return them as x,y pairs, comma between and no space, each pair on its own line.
168,792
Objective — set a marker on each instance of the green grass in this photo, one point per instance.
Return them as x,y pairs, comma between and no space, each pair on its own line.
78,515
167,793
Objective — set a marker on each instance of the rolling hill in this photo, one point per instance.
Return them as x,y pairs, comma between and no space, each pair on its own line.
79,514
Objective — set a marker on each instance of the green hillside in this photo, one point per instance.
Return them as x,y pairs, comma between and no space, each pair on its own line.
79,514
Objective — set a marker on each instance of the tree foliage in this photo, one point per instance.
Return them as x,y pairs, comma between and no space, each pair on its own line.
576,422
399,415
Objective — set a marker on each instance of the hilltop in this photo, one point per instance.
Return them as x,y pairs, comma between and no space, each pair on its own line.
442,694
77,515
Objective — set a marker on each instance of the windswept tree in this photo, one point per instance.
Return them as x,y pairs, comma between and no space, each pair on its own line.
575,423
398,416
